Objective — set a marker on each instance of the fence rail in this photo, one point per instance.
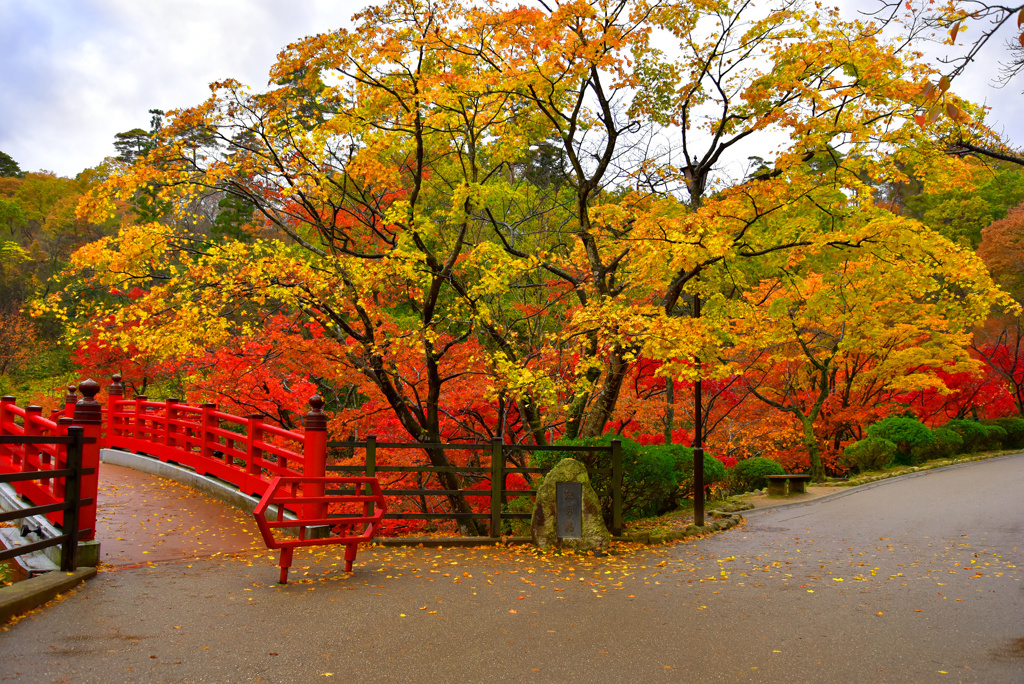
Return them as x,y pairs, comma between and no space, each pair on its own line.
71,474
495,472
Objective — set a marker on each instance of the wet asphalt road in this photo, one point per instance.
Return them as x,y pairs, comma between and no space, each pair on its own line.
915,579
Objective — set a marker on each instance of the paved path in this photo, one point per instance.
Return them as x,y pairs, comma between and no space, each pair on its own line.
914,579
142,518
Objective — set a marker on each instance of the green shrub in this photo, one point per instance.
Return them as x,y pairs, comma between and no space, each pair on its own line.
906,433
977,436
870,453
649,480
996,437
1014,432
714,470
749,473
947,444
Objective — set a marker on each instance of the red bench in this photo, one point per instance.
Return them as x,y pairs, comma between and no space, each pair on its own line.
307,497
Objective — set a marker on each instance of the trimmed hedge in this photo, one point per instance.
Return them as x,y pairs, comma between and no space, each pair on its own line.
870,453
977,436
749,473
947,444
908,434
1014,428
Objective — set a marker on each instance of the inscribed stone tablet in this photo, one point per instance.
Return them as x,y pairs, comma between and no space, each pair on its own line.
569,502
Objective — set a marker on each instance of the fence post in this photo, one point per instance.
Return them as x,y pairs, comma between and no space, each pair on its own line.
89,415
371,462
617,487
115,394
371,455
72,495
497,484
314,455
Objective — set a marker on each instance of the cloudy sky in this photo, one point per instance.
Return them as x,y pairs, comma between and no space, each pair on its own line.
75,72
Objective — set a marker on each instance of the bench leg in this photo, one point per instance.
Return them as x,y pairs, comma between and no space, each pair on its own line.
350,555
776,487
797,486
285,563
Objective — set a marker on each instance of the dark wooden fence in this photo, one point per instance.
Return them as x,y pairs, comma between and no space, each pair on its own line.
72,475
495,472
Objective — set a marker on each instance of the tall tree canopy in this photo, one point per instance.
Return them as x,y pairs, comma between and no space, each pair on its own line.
512,205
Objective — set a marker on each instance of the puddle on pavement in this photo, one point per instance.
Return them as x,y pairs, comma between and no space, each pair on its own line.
1011,650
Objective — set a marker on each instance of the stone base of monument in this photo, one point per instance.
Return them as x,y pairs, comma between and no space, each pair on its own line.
567,514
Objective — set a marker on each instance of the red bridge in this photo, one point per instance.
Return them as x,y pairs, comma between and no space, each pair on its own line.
242,451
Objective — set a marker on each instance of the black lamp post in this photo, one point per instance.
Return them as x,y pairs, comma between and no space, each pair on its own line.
698,443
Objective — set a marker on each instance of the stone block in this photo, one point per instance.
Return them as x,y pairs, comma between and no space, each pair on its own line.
544,526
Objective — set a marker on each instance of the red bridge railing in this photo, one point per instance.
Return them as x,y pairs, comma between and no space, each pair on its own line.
28,421
243,451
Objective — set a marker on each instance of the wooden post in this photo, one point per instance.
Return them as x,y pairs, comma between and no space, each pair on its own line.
170,415
89,415
72,493
208,441
371,462
314,454
70,400
139,424
617,487
253,478
497,484
31,430
64,423
115,395
5,401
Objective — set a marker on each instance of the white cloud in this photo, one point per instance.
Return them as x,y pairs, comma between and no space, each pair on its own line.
76,72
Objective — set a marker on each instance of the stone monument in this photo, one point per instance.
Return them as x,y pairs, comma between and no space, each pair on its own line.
568,516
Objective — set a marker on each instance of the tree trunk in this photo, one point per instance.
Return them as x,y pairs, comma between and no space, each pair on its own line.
811,443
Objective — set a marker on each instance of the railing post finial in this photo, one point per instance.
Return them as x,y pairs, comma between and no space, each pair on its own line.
87,409
115,388
316,419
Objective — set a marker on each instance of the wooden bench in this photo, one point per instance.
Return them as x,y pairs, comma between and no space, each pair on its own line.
777,484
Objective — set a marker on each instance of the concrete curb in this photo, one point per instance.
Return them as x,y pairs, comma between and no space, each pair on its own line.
22,597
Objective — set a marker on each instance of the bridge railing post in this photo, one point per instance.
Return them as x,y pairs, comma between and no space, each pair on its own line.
138,425
207,440
63,423
115,411
253,470
70,399
314,455
170,424
5,401
31,455
89,415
